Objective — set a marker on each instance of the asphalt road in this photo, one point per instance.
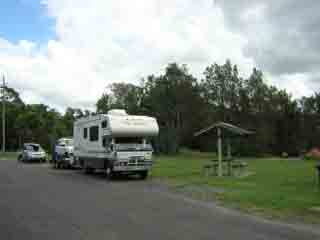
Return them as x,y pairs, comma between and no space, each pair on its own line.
37,202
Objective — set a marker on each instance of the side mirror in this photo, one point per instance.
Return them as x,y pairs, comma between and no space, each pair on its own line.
109,148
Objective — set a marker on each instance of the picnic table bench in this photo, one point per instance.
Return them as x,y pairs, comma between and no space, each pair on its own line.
212,168
241,166
318,173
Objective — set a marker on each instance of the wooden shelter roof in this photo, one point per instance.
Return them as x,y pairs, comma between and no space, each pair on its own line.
234,130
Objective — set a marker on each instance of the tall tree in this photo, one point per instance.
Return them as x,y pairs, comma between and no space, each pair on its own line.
174,98
222,89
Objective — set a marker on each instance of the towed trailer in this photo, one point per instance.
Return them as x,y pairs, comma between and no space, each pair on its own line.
116,143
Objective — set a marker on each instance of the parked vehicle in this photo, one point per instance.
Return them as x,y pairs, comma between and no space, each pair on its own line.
32,152
63,153
115,142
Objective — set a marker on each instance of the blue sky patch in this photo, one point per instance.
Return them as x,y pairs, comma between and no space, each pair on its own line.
25,20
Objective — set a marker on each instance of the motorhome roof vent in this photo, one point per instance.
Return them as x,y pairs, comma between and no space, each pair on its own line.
117,112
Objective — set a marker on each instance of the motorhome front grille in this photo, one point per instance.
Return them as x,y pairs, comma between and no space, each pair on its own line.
140,163
136,159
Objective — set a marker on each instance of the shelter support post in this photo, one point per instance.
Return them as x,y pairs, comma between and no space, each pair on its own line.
219,152
229,157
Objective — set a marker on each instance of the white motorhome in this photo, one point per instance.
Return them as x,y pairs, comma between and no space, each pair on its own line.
115,142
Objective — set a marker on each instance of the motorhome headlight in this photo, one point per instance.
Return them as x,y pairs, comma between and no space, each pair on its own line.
148,156
120,163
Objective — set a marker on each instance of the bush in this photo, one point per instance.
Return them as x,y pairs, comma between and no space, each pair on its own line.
314,154
267,155
309,157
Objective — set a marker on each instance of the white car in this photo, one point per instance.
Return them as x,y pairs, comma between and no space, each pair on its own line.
32,152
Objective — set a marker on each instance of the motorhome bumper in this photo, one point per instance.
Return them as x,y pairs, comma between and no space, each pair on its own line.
130,168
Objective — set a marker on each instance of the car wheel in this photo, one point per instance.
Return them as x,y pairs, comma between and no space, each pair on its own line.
143,174
88,170
56,165
110,173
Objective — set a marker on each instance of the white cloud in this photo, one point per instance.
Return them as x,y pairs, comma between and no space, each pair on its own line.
296,84
98,42
283,39
255,12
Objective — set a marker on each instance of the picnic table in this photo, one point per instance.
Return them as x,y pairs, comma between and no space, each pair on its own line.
229,165
229,132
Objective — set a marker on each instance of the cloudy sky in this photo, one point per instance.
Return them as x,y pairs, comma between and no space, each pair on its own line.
65,52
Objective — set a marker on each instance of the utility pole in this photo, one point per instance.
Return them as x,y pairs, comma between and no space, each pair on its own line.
3,115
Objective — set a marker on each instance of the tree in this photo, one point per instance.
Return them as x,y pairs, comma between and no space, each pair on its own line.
103,104
174,98
222,89
122,96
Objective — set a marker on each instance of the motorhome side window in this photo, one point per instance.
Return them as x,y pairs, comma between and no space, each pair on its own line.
85,133
104,124
94,133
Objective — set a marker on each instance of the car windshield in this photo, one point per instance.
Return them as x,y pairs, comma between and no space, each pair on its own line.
69,142
34,148
66,142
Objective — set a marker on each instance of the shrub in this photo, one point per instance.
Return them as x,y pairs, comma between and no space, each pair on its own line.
314,154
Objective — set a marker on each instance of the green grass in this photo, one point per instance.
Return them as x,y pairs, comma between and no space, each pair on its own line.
281,188
9,155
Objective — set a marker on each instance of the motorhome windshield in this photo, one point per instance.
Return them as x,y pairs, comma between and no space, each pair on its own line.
131,144
128,140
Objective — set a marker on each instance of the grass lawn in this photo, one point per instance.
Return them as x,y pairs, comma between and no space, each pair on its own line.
280,188
9,155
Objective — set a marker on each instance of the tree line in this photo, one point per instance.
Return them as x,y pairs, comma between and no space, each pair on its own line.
35,122
184,104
